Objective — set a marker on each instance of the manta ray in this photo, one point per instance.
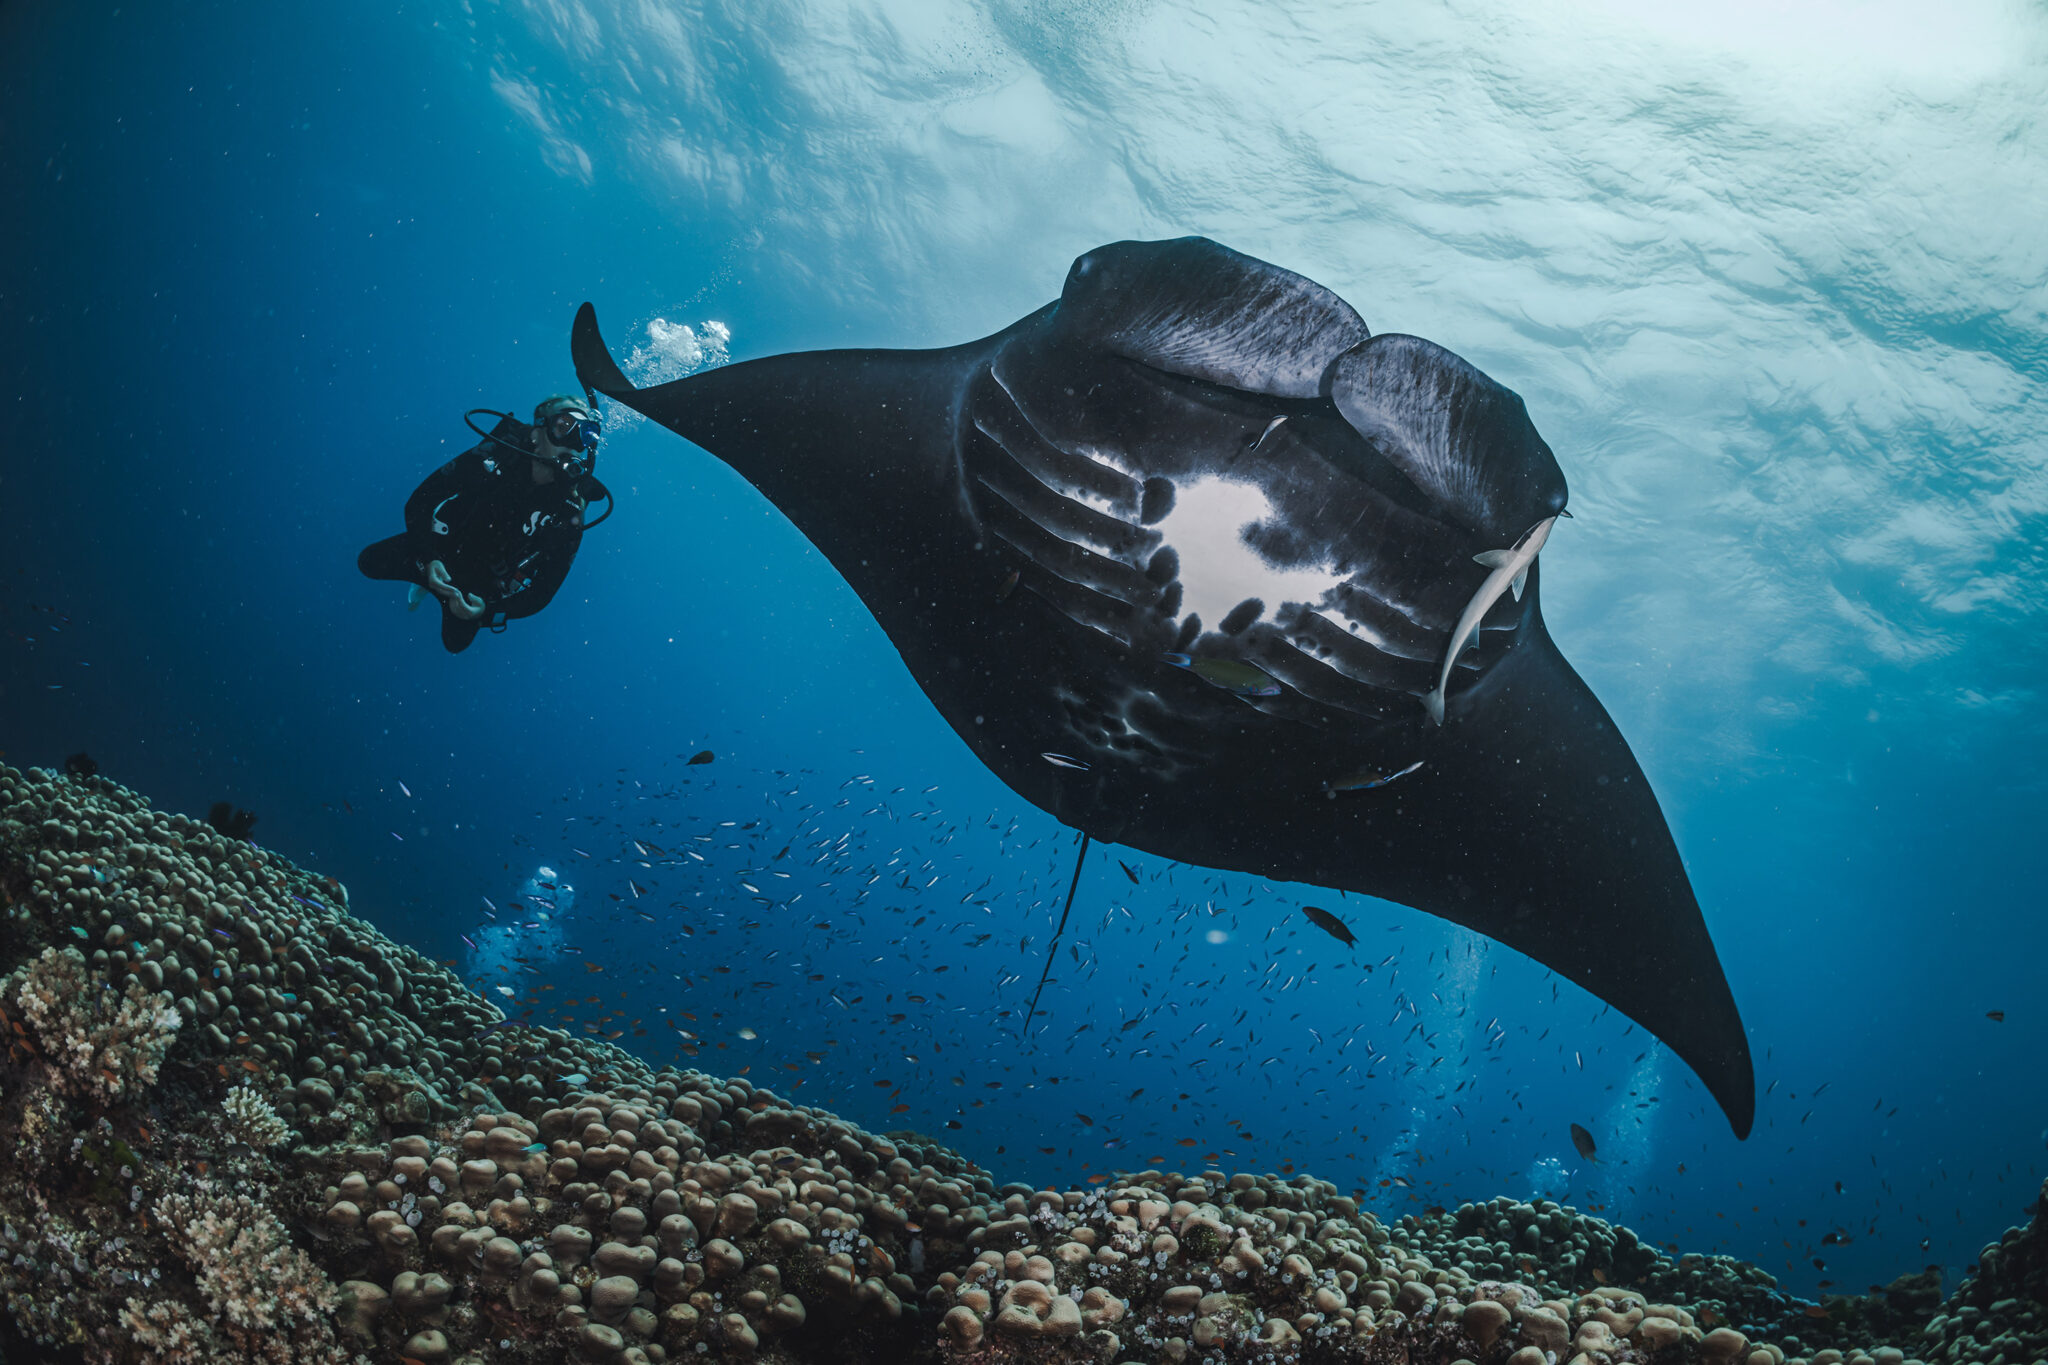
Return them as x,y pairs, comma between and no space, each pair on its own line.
1196,563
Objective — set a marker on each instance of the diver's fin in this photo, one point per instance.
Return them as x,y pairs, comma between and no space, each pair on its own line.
595,368
1193,307
1493,559
1521,580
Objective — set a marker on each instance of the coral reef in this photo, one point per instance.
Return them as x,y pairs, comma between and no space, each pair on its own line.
254,1120
461,1189
99,1041
2000,1313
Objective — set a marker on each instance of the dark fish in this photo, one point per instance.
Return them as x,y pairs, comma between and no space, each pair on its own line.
1329,924
701,756
1995,1016
81,764
1129,871
1407,494
232,821
1583,1140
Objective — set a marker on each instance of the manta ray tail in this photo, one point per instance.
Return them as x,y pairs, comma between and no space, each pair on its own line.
1052,951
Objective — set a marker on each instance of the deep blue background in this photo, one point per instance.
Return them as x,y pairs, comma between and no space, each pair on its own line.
258,260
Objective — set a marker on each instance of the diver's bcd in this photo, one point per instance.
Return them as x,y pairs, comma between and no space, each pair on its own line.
585,481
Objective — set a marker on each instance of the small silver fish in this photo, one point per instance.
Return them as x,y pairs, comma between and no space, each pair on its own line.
1062,761
1365,779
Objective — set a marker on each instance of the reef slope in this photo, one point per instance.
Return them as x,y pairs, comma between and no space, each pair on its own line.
243,1125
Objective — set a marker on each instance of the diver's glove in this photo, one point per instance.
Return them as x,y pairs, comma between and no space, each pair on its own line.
466,606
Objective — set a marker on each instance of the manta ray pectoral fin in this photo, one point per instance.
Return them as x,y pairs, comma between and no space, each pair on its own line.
593,360
1546,835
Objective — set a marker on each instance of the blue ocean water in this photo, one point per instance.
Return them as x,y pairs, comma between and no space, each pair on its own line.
1770,284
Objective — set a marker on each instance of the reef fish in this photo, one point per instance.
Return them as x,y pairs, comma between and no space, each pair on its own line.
1583,1140
1365,779
1120,452
1232,675
1329,924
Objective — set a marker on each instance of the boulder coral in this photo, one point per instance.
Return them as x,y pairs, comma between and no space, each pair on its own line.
248,1127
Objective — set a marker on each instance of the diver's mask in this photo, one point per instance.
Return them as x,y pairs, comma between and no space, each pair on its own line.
574,437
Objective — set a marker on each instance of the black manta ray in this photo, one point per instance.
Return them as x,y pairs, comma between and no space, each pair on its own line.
1195,563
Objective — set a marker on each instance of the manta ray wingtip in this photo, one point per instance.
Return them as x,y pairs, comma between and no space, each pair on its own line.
593,359
1434,704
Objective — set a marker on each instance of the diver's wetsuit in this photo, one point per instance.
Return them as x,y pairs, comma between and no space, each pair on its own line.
501,535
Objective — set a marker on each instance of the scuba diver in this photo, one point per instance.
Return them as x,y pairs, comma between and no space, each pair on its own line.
492,532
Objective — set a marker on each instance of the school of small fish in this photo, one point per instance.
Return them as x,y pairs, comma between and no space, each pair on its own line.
906,937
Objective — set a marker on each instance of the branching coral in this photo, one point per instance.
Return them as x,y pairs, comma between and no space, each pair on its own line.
255,1122
249,1272
168,1330
101,1043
